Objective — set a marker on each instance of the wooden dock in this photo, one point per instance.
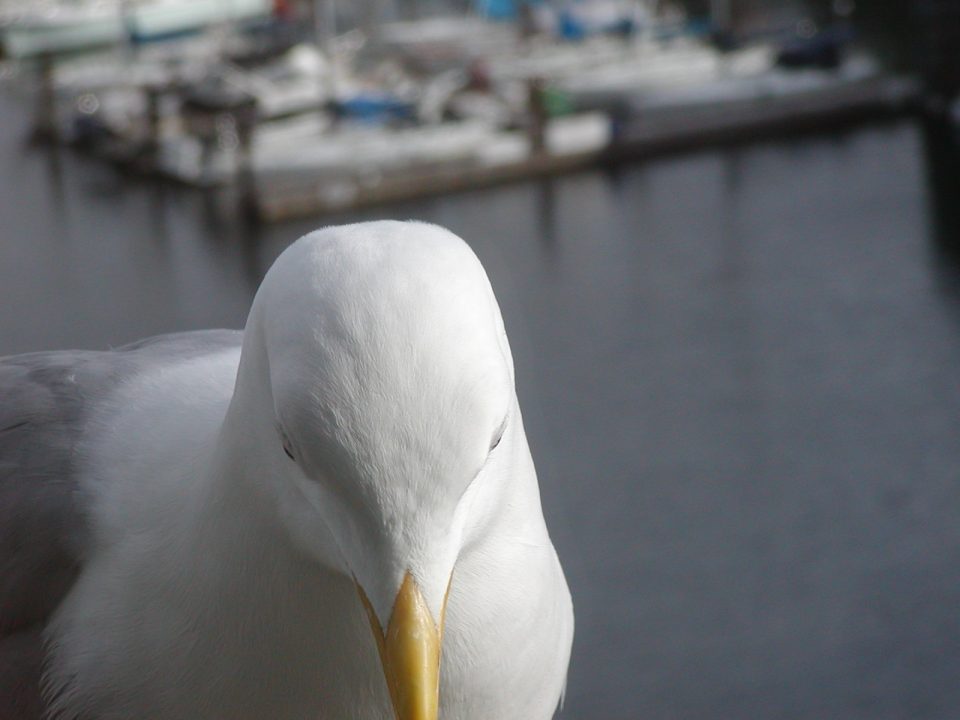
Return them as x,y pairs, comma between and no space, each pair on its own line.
643,132
315,163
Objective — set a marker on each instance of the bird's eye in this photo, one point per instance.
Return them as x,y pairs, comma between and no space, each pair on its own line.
287,450
498,436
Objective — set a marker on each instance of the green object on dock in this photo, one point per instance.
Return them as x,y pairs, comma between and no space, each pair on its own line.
556,102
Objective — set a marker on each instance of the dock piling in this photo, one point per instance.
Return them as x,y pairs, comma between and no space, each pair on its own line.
537,117
45,125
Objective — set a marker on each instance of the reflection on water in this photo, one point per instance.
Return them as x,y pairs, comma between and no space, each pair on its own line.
738,370
547,213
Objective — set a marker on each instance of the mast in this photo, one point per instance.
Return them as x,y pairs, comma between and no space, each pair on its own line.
325,29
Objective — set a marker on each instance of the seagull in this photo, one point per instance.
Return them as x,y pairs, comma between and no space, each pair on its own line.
333,513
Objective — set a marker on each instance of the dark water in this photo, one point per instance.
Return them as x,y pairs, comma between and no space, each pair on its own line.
741,378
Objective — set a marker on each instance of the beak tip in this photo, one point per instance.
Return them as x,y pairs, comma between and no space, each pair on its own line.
409,650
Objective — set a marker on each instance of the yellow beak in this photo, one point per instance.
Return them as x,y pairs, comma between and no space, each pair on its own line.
409,652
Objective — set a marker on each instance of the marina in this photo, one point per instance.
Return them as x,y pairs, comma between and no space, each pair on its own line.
295,126
729,272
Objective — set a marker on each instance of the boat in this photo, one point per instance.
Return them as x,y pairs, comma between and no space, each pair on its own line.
65,26
454,104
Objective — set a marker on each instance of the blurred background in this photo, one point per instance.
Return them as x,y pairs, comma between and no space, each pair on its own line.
724,236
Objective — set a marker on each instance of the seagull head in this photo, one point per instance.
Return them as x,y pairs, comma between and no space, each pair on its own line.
376,365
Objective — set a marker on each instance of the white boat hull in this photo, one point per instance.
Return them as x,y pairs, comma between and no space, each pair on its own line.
62,29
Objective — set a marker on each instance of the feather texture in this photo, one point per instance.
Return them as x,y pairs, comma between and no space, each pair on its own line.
182,564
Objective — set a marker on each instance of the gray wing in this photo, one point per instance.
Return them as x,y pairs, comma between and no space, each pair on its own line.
45,400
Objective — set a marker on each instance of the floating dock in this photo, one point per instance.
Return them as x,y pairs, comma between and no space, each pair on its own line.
642,126
301,137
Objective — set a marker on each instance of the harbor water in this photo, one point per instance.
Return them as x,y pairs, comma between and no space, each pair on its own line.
740,371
